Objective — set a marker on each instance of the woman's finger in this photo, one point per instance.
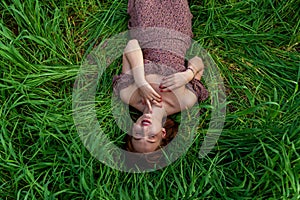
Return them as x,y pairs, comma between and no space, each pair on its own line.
155,99
167,89
172,87
166,84
159,104
151,92
168,77
152,98
167,80
156,95
149,105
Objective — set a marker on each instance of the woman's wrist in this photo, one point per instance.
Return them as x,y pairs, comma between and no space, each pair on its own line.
139,75
196,64
192,70
189,73
140,81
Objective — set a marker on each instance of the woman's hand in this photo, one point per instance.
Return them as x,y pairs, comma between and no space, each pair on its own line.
149,95
176,80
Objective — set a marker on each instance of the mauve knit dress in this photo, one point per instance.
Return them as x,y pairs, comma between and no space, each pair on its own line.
164,31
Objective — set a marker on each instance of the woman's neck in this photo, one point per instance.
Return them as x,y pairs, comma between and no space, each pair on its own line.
158,112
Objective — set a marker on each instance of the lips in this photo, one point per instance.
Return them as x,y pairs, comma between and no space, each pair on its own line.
146,122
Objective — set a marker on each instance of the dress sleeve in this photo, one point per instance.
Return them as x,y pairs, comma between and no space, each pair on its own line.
120,82
198,88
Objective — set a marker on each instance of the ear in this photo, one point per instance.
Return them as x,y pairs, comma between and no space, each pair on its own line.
164,133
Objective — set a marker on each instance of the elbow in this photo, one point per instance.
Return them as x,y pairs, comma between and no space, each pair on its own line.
132,45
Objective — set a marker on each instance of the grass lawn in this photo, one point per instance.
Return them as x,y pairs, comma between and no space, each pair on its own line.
255,44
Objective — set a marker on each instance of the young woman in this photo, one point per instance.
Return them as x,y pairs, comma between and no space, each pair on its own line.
154,77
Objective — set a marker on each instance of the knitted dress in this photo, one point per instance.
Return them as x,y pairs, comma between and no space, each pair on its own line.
164,31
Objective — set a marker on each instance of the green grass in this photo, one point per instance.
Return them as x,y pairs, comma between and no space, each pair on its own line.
255,44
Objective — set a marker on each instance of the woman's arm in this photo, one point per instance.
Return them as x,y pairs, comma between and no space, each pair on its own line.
134,57
179,79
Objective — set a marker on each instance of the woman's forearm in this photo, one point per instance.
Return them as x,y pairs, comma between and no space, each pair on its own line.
195,64
134,55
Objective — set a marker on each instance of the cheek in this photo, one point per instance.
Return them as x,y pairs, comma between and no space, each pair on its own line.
156,129
135,128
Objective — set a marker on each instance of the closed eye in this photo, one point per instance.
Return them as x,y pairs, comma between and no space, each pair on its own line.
137,138
152,138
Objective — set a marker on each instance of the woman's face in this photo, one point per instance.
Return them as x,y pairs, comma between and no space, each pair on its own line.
147,134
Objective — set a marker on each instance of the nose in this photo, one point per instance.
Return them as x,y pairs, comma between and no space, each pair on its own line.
144,131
